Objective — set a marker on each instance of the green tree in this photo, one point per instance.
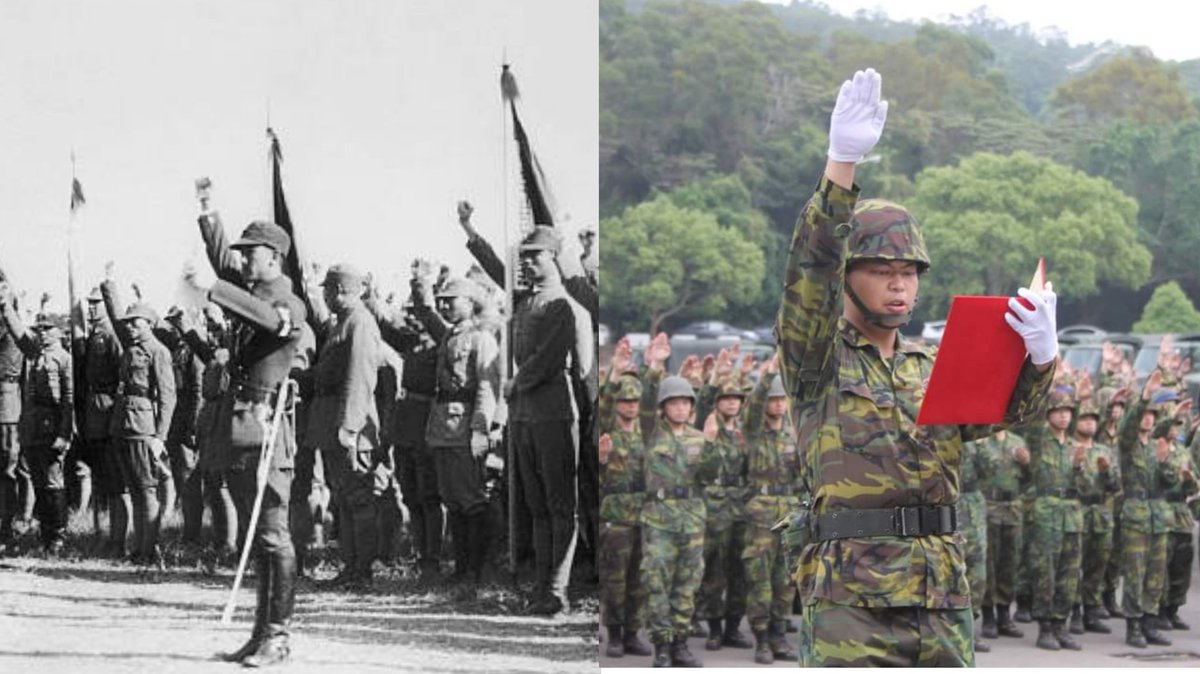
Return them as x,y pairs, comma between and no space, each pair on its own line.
664,261
1134,85
987,220
1169,310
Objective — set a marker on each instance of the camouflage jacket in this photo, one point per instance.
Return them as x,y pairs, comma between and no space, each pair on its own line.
1180,518
1101,486
677,469
725,498
1143,479
1051,471
773,464
855,416
1004,479
622,491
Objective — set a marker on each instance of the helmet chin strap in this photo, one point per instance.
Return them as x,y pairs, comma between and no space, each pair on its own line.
889,321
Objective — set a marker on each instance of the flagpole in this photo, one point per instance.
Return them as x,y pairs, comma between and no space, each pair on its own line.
505,339
75,328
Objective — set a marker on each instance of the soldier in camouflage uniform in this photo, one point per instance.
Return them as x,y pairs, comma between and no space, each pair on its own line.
1144,448
972,521
1054,553
622,596
1100,483
883,577
1001,486
773,472
679,462
1180,543
722,591
1112,403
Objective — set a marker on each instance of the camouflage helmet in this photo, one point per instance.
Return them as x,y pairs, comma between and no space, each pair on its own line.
1089,409
675,387
883,230
730,389
1106,397
1165,426
628,388
776,390
1059,399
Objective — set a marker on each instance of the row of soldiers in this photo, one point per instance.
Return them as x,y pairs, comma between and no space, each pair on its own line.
697,469
1097,496
379,399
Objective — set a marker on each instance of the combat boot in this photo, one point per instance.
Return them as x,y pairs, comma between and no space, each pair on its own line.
1110,605
662,655
1176,623
762,649
1022,615
733,637
616,643
777,639
681,656
1045,638
1091,621
1150,630
1076,625
713,643
634,645
1160,620
1004,624
1063,635
1133,633
273,650
988,630
981,646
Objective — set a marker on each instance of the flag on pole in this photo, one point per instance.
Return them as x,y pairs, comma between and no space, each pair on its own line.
75,308
537,192
283,218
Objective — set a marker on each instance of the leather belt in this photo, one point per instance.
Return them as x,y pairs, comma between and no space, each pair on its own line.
253,394
458,397
1059,492
1092,500
416,396
635,487
917,520
1001,495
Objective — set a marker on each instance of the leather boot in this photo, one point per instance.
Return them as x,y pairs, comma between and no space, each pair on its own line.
713,643
273,650
1063,635
616,643
1110,605
733,636
1091,621
662,655
283,592
58,528
1004,624
1022,615
1133,633
119,507
1150,630
460,533
262,570
681,656
989,629
762,649
1173,616
477,530
1076,625
780,648
1045,638
634,645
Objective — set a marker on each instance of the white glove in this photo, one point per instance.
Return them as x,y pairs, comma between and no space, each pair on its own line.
479,444
1036,326
858,117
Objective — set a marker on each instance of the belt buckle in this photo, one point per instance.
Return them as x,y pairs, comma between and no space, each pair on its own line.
900,526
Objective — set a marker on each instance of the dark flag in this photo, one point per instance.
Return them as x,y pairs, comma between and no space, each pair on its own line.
77,199
531,171
283,218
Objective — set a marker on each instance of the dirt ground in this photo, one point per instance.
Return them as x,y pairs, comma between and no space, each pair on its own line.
80,614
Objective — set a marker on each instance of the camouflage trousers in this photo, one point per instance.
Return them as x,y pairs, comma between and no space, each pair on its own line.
1097,551
1144,559
723,589
672,566
621,593
909,636
972,521
770,590
1113,572
1179,567
1054,565
1024,571
1003,561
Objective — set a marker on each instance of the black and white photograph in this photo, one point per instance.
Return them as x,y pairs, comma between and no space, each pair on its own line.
298,336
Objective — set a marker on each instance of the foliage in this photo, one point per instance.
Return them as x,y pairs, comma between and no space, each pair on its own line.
1169,310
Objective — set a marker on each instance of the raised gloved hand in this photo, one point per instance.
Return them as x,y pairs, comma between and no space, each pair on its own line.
1037,325
858,117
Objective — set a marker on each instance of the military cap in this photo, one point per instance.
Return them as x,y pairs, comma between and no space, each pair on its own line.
174,312
44,321
882,230
541,238
777,389
346,275
95,295
263,233
730,389
459,287
628,388
1089,409
1059,399
675,387
141,310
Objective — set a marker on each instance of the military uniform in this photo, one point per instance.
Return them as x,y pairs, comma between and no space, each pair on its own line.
622,490
1098,490
1001,486
213,457
101,352
181,438
1180,543
12,363
265,317
881,598
973,521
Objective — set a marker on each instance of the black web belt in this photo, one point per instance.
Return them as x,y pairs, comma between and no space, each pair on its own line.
918,520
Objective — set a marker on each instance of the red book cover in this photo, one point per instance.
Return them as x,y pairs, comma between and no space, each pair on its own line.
977,365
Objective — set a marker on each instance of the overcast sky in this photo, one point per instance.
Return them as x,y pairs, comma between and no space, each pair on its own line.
1166,27
388,112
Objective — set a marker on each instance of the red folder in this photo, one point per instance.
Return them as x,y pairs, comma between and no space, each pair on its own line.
977,365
